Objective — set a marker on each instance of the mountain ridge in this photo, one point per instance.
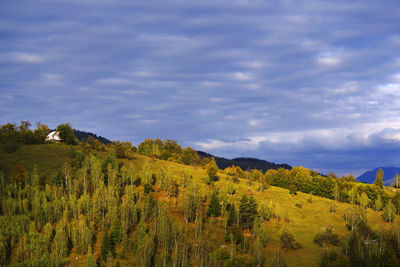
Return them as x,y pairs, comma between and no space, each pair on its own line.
388,175
244,163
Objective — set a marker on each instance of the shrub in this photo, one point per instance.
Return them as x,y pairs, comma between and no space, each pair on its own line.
292,189
147,189
298,205
327,237
288,238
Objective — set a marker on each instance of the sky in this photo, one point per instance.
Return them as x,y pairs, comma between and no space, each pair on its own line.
310,83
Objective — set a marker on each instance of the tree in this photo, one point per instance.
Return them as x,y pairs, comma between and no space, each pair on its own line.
189,156
189,206
389,212
232,216
90,262
41,132
327,238
18,173
396,181
66,133
106,246
288,238
116,232
379,178
364,200
279,260
212,170
247,211
378,203
214,208
165,237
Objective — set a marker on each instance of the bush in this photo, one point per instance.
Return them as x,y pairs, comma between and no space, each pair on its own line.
327,237
148,189
288,238
137,182
298,205
292,189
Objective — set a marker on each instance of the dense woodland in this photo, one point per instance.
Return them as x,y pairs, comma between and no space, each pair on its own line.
159,204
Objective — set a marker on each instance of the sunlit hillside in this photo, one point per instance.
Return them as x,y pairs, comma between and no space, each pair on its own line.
201,240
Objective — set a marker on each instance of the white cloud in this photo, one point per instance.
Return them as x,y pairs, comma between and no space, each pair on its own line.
22,57
241,76
329,60
396,77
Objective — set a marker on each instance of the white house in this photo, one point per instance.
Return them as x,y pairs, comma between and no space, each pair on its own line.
54,136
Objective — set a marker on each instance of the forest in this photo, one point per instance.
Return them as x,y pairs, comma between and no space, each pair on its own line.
84,203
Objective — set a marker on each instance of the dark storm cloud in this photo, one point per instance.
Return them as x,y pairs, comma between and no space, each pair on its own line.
313,83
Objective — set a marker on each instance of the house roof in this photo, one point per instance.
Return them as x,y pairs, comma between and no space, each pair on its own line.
53,136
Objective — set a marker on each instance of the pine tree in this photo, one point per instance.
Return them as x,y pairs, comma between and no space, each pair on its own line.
106,246
247,211
214,208
116,232
232,216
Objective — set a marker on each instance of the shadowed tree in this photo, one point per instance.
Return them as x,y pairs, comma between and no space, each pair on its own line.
214,208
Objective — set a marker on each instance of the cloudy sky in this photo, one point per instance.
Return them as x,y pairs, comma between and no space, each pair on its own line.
311,83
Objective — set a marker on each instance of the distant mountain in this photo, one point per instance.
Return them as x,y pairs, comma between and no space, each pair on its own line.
244,163
388,175
83,135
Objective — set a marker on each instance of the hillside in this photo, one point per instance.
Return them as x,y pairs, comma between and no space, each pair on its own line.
244,163
388,175
173,184
48,159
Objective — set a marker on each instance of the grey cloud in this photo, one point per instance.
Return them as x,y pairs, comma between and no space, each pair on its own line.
211,71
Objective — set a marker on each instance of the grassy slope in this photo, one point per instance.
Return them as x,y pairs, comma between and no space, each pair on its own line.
48,158
305,222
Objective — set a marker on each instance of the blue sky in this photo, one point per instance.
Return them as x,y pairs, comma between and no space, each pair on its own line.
311,83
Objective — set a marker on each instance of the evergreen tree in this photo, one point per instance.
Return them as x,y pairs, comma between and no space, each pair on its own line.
116,232
247,211
106,246
232,216
214,208
379,178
